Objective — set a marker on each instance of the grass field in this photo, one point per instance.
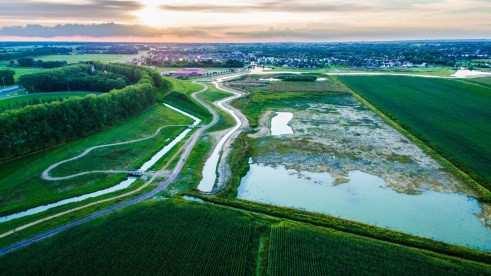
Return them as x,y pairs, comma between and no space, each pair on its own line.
171,236
296,250
76,58
21,71
452,117
168,236
433,70
482,81
21,101
21,186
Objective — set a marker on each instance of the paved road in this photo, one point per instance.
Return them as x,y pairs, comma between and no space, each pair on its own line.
188,147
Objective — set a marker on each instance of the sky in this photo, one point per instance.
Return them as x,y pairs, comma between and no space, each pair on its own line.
243,20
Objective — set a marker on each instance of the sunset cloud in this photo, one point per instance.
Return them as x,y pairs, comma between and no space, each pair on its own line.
245,20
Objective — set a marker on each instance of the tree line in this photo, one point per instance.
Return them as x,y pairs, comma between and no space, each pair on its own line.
80,77
31,62
37,127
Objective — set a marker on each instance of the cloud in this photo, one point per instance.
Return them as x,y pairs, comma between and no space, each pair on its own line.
269,6
107,30
94,30
68,9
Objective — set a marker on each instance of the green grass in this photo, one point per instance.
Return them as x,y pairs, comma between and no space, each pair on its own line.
482,81
171,237
297,250
432,70
21,186
452,117
76,58
30,99
183,86
21,71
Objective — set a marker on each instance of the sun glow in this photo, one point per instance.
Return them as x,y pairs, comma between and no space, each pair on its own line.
150,15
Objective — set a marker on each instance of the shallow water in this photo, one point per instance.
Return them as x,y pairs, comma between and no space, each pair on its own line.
279,123
448,217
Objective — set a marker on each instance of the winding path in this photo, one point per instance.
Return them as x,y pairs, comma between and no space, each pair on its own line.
46,173
186,151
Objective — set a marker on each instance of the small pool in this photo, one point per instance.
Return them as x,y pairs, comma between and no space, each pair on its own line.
279,123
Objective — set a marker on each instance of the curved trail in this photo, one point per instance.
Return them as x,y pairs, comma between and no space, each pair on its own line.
216,170
186,151
46,173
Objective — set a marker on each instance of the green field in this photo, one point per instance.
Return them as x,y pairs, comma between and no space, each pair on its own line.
76,58
452,117
21,186
30,99
432,70
171,236
21,71
482,81
295,250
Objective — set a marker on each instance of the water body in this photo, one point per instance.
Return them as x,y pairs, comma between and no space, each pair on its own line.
121,186
279,123
447,217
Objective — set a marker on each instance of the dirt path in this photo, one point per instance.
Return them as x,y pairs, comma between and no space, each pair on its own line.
186,151
46,173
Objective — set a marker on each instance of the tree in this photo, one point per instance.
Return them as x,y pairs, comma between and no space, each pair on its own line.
7,77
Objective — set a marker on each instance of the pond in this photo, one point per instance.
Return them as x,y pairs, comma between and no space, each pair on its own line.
341,159
279,123
448,217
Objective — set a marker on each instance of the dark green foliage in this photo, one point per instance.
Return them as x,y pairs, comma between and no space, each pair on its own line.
38,127
296,250
33,99
157,238
30,62
452,117
7,77
76,77
296,77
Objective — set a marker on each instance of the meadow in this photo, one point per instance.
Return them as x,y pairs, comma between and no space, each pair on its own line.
37,98
452,117
76,58
23,188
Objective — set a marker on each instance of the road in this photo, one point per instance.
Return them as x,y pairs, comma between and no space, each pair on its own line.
188,147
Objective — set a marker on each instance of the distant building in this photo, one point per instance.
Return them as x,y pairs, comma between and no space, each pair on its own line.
188,72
